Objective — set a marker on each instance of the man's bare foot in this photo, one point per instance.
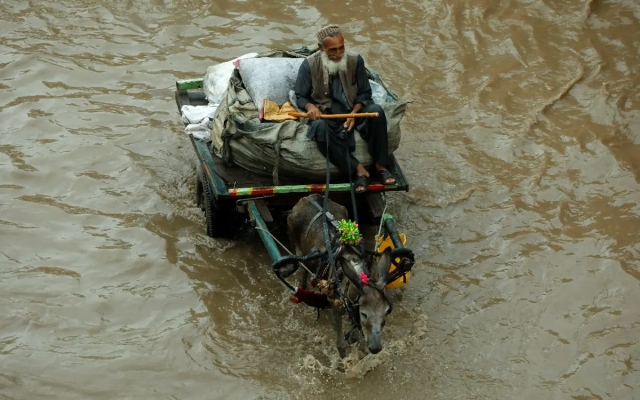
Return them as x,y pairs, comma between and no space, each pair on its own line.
362,179
385,174
360,170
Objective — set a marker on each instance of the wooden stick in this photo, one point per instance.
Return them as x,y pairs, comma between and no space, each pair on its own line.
336,116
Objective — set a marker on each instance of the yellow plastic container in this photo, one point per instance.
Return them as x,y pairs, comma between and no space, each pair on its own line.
383,243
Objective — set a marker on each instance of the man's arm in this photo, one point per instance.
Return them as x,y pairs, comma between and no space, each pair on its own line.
303,86
363,97
303,90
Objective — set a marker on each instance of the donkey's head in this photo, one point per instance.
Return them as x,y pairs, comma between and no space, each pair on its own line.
373,304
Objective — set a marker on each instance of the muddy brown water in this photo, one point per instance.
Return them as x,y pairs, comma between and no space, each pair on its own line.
522,147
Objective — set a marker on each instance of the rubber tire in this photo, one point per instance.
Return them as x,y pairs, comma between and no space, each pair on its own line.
212,221
199,186
220,218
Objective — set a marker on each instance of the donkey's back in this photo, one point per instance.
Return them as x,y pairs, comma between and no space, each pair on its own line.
305,223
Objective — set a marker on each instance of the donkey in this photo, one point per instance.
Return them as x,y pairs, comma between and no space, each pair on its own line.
305,231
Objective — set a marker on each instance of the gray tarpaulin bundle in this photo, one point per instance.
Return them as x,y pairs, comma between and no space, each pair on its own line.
281,149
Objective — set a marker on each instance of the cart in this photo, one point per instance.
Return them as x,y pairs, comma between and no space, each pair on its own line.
232,197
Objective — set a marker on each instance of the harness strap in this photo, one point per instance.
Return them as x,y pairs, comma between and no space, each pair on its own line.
314,219
318,215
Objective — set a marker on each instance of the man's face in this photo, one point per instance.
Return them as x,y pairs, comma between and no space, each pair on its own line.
334,47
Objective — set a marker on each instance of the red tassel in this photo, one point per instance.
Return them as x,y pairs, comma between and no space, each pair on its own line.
313,299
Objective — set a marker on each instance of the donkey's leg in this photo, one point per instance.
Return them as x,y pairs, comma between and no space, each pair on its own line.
353,335
341,344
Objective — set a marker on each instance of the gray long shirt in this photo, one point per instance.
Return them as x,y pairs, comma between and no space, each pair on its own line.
339,105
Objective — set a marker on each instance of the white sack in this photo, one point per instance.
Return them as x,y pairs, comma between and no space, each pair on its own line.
269,78
216,79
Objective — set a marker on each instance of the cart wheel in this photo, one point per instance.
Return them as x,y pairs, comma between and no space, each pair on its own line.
212,219
220,217
199,187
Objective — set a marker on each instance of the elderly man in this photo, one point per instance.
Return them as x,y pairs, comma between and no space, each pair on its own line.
333,82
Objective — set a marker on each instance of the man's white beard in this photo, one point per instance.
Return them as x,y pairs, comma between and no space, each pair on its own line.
334,67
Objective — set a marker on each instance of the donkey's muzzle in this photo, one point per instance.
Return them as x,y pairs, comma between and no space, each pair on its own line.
375,350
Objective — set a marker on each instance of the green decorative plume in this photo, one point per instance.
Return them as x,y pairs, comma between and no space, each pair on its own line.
349,232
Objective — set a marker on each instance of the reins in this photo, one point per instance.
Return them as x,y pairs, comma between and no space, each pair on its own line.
346,303
352,189
350,308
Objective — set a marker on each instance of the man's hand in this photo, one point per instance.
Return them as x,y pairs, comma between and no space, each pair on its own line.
349,124
313,113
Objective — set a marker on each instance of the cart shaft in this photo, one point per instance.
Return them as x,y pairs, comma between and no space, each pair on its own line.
389,225
261,227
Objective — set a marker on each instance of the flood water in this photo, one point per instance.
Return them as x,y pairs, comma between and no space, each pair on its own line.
521,146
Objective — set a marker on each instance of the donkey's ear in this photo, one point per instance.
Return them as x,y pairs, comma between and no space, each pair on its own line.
382,268
352,275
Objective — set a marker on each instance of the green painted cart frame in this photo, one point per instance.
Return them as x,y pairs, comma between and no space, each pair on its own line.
231,197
